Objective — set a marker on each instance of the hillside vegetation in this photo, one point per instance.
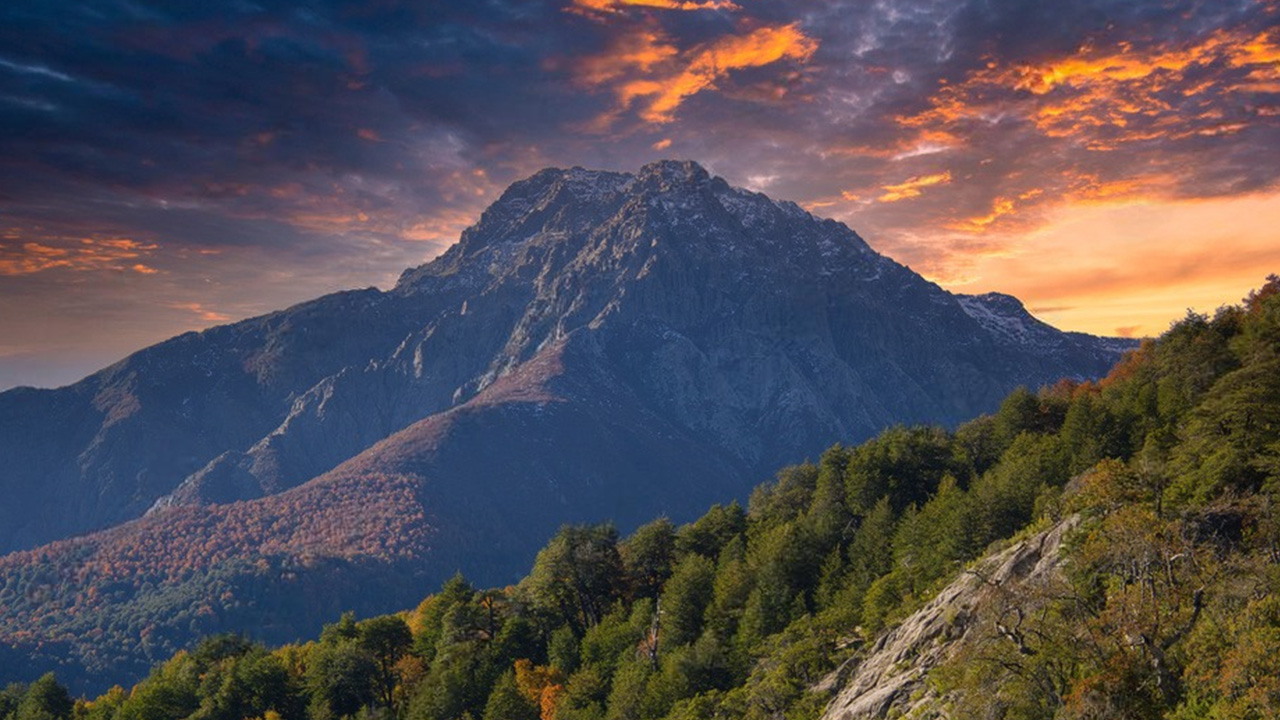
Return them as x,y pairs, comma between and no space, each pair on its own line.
1167,606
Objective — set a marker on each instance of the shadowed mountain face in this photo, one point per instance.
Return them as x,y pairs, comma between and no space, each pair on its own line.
598,346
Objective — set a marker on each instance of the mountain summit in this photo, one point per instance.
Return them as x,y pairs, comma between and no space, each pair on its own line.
597,346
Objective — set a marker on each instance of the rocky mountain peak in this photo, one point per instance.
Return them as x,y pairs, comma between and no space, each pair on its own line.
668,175
1007,304
668,205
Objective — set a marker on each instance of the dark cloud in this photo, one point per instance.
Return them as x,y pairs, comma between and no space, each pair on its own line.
342,140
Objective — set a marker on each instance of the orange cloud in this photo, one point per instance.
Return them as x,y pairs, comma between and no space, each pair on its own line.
1103,99
368,134
1000,207
646,69
202,312
613,6
1090,189
913,187
640,51
38,255
444,227
1099,126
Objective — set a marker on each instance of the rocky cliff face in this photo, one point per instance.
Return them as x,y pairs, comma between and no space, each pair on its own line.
890,679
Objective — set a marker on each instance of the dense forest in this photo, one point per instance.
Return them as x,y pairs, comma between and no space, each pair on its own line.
1168,607
102,604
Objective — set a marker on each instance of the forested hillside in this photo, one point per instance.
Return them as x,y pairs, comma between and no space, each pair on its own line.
1168,605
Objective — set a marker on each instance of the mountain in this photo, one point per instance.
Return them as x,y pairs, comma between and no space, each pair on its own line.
1092,550
598,346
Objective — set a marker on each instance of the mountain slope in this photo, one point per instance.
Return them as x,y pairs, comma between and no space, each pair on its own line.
101,451
599,345
1129,570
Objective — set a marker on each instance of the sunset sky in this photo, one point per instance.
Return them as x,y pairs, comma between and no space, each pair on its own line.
169,166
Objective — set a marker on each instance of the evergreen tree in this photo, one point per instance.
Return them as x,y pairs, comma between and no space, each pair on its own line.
708,534
341,680
45,699
685,600
647,557
386,639
507,703
578,575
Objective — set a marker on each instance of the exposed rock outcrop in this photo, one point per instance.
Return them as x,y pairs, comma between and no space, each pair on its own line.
889,680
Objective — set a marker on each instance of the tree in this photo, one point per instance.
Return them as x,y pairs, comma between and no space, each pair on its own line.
1020,412
647,557
685,600
905,464
45,699
248,685
584,696
616,637
627,697
432,611
541,687
731,591
708,534
929,544
786,498
1232,439
340,679
564,650
1007,493
459,682
506,702
386,639
828,518
870,553
104,707
10,696
578,575
170,691
341,631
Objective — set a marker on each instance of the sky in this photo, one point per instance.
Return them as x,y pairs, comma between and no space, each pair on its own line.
168,166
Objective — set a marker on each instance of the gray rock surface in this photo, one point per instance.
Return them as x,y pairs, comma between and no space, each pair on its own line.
889,680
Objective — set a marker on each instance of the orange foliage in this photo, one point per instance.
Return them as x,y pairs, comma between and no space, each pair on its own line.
1132,362
550,701
533,682
348,517
1258,298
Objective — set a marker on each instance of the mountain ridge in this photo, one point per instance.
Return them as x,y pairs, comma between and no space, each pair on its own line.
597,345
